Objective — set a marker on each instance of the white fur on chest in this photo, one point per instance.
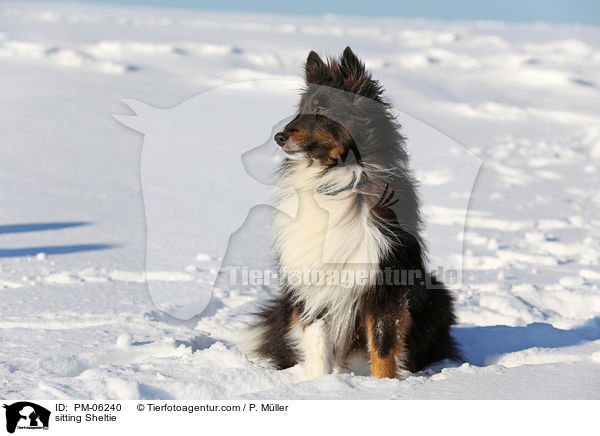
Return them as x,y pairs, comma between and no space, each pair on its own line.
328,245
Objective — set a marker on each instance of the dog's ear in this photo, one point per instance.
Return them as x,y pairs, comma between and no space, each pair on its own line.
315,68
351,65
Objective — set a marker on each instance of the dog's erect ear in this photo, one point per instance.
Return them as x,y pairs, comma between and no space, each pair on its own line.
351,65
349,55
315,67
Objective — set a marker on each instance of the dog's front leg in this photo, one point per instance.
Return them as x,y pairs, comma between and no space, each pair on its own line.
386,341
315,348
382,351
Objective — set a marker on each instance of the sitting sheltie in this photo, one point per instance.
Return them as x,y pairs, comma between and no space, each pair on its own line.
347,238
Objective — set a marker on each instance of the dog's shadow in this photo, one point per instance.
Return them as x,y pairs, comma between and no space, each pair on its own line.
479,345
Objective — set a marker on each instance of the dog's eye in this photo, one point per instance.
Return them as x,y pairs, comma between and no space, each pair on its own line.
319,110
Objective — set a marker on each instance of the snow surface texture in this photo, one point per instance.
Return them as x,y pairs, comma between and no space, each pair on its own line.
76,318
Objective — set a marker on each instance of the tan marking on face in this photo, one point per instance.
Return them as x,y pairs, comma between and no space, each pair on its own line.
337,152
330,149
320,139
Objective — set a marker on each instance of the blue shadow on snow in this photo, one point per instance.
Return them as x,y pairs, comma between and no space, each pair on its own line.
37,227
479,343
56,249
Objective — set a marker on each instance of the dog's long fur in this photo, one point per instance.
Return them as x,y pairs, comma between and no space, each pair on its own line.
348,205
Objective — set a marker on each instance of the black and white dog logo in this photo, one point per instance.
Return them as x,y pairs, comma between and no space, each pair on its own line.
26,415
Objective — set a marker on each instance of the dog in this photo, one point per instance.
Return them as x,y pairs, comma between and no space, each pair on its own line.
347,235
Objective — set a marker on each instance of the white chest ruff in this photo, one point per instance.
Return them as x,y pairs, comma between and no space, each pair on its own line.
328,245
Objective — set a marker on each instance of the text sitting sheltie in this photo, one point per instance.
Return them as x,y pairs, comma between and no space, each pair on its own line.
347,238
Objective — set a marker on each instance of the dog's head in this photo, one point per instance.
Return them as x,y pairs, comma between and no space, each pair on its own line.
335,104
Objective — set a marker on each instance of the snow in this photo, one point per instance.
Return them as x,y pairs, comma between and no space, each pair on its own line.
77,319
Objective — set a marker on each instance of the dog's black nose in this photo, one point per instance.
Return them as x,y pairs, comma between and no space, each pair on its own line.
281,138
